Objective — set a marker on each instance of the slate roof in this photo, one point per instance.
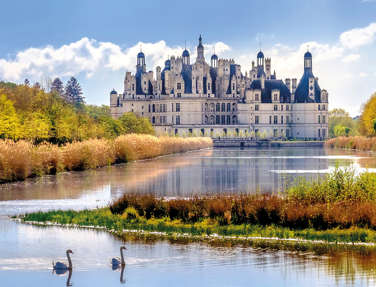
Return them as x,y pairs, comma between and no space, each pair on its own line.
266,93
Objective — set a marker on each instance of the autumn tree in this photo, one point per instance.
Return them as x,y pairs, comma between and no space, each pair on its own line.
9,121
368,117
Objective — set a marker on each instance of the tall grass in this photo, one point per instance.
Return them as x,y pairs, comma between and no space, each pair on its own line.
340,200
356,142
22,159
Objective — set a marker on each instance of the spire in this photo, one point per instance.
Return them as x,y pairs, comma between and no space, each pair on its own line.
200,50
200,41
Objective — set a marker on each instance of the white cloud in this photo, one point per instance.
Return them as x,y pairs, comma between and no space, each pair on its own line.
351,58
363,75
359,36
88,56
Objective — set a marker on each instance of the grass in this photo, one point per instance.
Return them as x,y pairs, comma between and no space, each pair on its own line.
355,142
22,159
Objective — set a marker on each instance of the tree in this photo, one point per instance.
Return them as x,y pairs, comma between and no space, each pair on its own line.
27,82
133,124
9,121
368,117
73,91
339,121
57,87
37,85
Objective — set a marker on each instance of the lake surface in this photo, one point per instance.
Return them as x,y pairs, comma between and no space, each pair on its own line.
27,252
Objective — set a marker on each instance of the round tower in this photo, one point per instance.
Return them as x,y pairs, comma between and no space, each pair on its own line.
214,61
185,56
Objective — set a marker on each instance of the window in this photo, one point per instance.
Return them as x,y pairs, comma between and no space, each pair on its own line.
287,107
132,87
149,109
256,107
190,131
209,86
256,119
177,119
275,97
319,132
281,107
223,107
172,107
323,119
318,118
323,107
223,120
178,86
275,107
218,107
229,107
217,119
270,119
153,108
178,107
153,120
323,133
257,97
318,108
234,120
287,119
281,119
275,133
228,120
275,119
179,95
233,86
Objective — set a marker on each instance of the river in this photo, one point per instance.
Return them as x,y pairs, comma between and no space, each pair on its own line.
27,252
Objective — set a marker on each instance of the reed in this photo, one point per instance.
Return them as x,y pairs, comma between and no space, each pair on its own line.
355,142
22,159
339,200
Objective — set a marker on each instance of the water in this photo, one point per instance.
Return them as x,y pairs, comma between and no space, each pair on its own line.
26,252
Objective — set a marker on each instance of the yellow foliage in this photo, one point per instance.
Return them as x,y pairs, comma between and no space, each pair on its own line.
368,117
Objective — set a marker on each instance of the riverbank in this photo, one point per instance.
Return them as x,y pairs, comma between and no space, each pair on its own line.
254,143
361,143
22,159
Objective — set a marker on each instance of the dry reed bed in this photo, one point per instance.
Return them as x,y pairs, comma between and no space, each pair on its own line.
22,159
355,142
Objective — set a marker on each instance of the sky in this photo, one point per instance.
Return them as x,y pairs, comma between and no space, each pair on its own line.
97,41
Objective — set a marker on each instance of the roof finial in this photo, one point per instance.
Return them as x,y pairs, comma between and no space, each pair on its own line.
185,45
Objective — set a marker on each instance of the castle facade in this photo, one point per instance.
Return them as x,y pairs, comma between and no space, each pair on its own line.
217,99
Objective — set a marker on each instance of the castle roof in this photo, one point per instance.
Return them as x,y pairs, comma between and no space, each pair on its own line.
141,55
214,57
185,53
270,85
260,54
308,54
302,91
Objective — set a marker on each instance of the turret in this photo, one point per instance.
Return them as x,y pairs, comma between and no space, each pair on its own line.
200,51
185,55
114,99
260,59
141,66
214,61
308,62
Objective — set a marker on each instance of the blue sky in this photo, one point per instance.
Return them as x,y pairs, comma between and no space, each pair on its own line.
96,41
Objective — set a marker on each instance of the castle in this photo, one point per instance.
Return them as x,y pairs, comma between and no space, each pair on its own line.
219,100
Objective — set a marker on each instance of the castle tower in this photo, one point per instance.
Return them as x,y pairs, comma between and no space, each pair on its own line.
185,56
141,66
308,62
214,61
200,51
260,59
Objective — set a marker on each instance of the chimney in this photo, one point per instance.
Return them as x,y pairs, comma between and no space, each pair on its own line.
288,84
294,85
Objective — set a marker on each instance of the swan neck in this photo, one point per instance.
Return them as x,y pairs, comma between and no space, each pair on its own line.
122,256
69,261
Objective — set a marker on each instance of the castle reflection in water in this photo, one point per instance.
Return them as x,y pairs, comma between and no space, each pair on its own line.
222,171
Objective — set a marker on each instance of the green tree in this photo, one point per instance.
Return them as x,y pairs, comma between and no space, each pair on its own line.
345,124
134,124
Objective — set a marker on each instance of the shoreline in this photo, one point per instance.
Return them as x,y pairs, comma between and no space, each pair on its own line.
317,247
